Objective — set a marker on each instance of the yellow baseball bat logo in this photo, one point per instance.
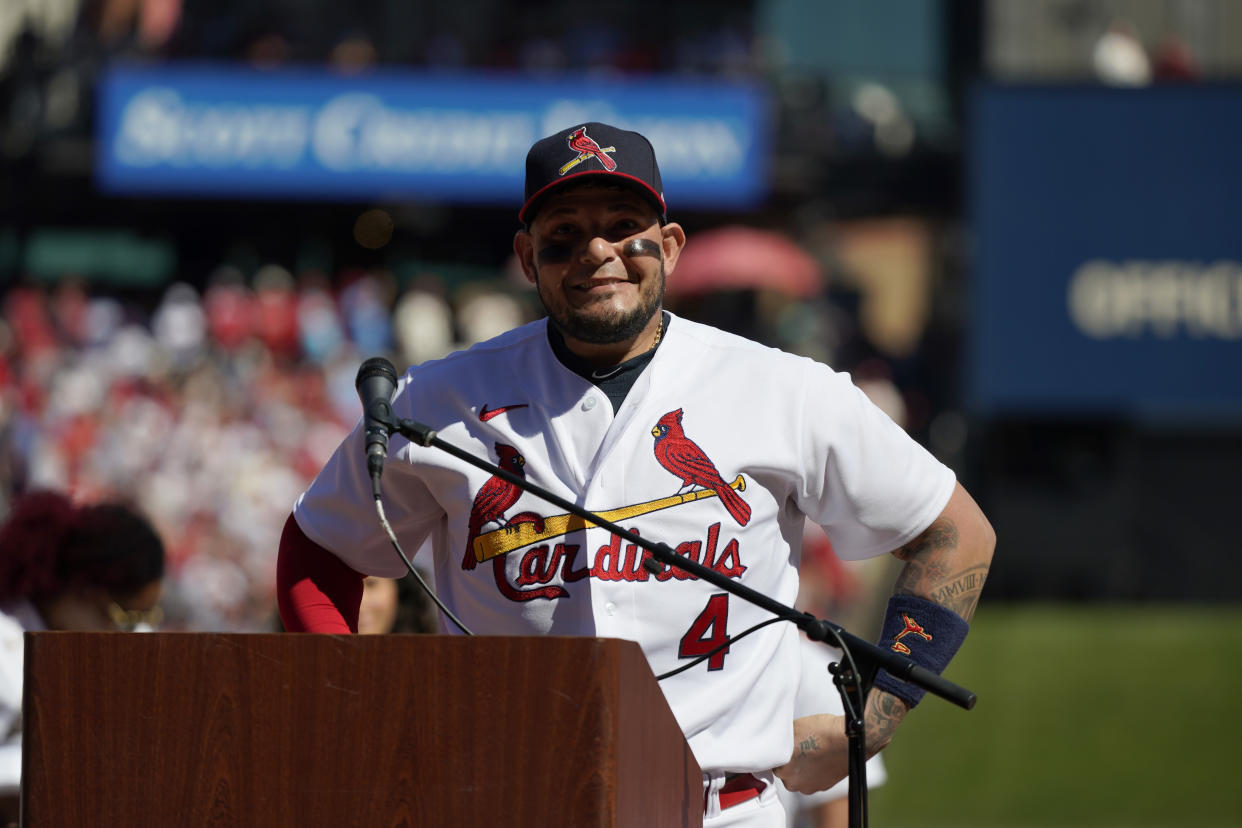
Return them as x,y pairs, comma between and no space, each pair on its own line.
583,157
504,540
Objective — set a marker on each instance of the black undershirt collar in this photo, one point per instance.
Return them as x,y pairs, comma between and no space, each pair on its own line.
616,381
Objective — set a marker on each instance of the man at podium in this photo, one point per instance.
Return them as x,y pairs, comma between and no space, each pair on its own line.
676,431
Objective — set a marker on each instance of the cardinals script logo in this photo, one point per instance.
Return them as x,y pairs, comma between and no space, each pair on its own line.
548,560
587,149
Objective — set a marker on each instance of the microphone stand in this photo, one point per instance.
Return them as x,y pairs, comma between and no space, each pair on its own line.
853,676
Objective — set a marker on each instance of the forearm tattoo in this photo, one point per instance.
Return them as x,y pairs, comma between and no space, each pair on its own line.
929,572
884,713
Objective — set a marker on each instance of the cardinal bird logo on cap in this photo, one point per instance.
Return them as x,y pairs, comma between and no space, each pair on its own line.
681,456
587,149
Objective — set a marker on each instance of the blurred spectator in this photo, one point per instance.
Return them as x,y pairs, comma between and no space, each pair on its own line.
378,611
395,605
353,53
320,331
423,323
483,314
366,303
1174,61
66,567
180,326
276,315
875,377
1119,58
26,311
230,308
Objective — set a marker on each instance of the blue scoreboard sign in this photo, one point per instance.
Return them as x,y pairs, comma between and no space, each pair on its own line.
220,130
1108,228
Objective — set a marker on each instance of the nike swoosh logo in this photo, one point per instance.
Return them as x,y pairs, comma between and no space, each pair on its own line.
485,414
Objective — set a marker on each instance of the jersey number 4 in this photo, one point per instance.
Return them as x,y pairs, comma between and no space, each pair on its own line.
708,632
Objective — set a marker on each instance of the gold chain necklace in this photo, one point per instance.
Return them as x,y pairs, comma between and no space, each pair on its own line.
608,373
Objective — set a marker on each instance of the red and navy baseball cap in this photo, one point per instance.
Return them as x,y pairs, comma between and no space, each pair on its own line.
592,149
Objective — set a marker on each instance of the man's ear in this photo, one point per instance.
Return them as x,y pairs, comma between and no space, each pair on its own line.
524,247
673,240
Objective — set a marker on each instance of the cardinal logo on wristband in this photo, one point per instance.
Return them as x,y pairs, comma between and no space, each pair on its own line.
912,628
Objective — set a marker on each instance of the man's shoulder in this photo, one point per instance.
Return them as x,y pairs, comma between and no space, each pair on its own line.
730,345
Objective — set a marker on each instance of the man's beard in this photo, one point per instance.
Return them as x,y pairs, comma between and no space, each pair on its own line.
607,330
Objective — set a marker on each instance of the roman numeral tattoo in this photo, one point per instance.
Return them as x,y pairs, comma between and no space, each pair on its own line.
927,572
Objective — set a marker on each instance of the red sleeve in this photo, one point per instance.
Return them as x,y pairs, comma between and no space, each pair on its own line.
315,590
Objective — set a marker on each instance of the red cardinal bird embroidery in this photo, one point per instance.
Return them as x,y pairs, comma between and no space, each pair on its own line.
586,146
680,455
494,499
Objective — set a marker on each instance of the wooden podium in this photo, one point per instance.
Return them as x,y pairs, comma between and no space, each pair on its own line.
190,729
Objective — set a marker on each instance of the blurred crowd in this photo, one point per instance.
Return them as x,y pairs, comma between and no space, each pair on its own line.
210,410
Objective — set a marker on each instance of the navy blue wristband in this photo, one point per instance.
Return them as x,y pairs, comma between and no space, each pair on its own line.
924,632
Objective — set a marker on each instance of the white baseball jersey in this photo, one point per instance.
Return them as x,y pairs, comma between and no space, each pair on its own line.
719,449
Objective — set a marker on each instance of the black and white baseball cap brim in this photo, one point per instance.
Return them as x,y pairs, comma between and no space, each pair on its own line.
595,150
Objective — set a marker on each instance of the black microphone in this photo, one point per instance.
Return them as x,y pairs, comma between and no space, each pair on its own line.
376,383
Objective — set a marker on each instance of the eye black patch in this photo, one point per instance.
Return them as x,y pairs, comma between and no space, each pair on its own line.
641,247
555,254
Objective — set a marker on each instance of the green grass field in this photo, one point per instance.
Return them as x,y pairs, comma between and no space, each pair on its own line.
1100,715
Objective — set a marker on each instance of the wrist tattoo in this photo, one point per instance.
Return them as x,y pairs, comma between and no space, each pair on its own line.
884,712
808,744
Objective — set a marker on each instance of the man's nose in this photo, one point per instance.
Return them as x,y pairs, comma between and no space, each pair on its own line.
599,250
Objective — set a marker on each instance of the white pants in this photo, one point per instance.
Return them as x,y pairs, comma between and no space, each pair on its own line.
764,811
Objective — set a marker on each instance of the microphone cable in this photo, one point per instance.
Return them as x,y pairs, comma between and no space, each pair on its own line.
431,593
718,648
